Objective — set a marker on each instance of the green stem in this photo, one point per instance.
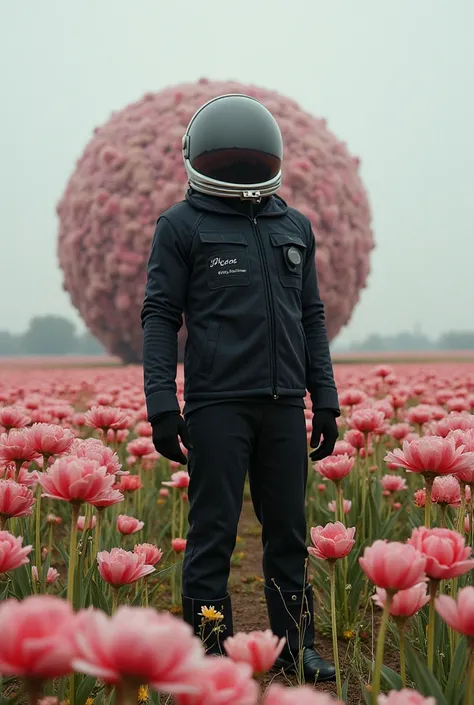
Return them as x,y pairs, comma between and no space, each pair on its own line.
38,530
470,676
471,515
140,489
18,464
462,509
97,530
145,593
345,570
401,637
433,587
3,522
50,540
365,479
181,514
173,513
332,574
340,501
380,649
429,479
443,515
115,598
72,553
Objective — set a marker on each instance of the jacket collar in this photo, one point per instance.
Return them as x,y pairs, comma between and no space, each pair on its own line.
275,206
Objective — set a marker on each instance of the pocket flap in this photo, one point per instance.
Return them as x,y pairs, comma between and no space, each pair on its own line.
215,236
279,239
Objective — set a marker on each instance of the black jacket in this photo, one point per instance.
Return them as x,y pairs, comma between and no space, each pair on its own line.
249,292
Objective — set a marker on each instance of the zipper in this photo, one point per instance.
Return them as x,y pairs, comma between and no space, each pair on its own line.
269,302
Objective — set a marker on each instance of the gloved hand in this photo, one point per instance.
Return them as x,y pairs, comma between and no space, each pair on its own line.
324,424
167,429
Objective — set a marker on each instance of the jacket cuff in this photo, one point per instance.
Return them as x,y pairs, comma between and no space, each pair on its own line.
325,398
160,402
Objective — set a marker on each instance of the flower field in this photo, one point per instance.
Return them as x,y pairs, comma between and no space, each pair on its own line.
93,528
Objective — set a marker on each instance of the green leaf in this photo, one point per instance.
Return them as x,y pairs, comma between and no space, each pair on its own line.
391,678
457,671
84,690
345,690
424,680
98,598
21,581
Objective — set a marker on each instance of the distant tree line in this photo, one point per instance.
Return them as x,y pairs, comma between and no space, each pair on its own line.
49,335
55,335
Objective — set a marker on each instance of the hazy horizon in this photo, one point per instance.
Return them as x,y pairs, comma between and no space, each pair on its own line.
392,79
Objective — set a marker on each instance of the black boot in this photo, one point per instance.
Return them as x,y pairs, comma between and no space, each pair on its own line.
213,632
286,611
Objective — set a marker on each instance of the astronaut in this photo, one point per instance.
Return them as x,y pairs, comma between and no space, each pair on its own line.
239,264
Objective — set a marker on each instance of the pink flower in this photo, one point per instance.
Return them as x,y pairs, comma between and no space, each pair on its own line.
128,525
405,603
459,613
355,438
447,555
13,417
15,500
366,420
37,637
278,694
399,431
343,448
138,645
140,447
404,697
107,499
49,439
393,565
151,553
332,541
178,545
347,504
259,649
51,576
12,552
178,479
222,681
107,417
393,483
351,397
446,490
74,479
430,455
16,446
93,449
119,567
420,414
81,522
419,498
335,467
130,483
164,492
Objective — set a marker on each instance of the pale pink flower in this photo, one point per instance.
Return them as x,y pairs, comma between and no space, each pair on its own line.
430,455
15,500
405,603
446,553
347,504
459,613
74,479
12,552
13,417
259,649
335,467
222,681
51,576
393,483
94,449
404,697
393,565
278,694
332,541
178,545
119,567
49,439
107,417
81,522
178,479
151,553
16,446
128,525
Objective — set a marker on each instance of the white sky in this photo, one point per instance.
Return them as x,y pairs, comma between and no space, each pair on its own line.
394,78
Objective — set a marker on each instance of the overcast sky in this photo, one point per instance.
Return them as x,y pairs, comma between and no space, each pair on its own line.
394,78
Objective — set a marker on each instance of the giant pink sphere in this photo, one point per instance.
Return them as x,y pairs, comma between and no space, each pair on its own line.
132,170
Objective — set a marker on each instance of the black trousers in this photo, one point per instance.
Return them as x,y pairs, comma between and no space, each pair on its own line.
269,442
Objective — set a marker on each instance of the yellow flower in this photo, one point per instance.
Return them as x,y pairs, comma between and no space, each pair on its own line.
90,701
211,614
160,501
349,634
142,696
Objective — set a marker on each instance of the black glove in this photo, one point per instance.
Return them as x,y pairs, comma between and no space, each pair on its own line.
324,423
167,429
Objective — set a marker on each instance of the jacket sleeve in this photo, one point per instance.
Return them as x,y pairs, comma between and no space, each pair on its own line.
162,317
319,376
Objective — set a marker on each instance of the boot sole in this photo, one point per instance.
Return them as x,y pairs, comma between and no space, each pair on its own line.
277,668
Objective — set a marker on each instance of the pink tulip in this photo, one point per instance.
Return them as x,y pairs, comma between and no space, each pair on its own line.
13,417
51,576
259,649
355,438
405,603
151,553
393,483
430,455
128,525
164,492
332,541
222,681
178,545
16,446
419,498
278,694
119,567
50,439
335,467
107,499
459,613
12,552
343,448
138,645
107,417
393,565
366,420
37,637
130,483
447,555
74,479
81,522
140,447
446,490
347,504
93,449
178,479
404,697
15,500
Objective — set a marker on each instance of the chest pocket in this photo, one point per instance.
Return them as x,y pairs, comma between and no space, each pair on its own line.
226,258
289,251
